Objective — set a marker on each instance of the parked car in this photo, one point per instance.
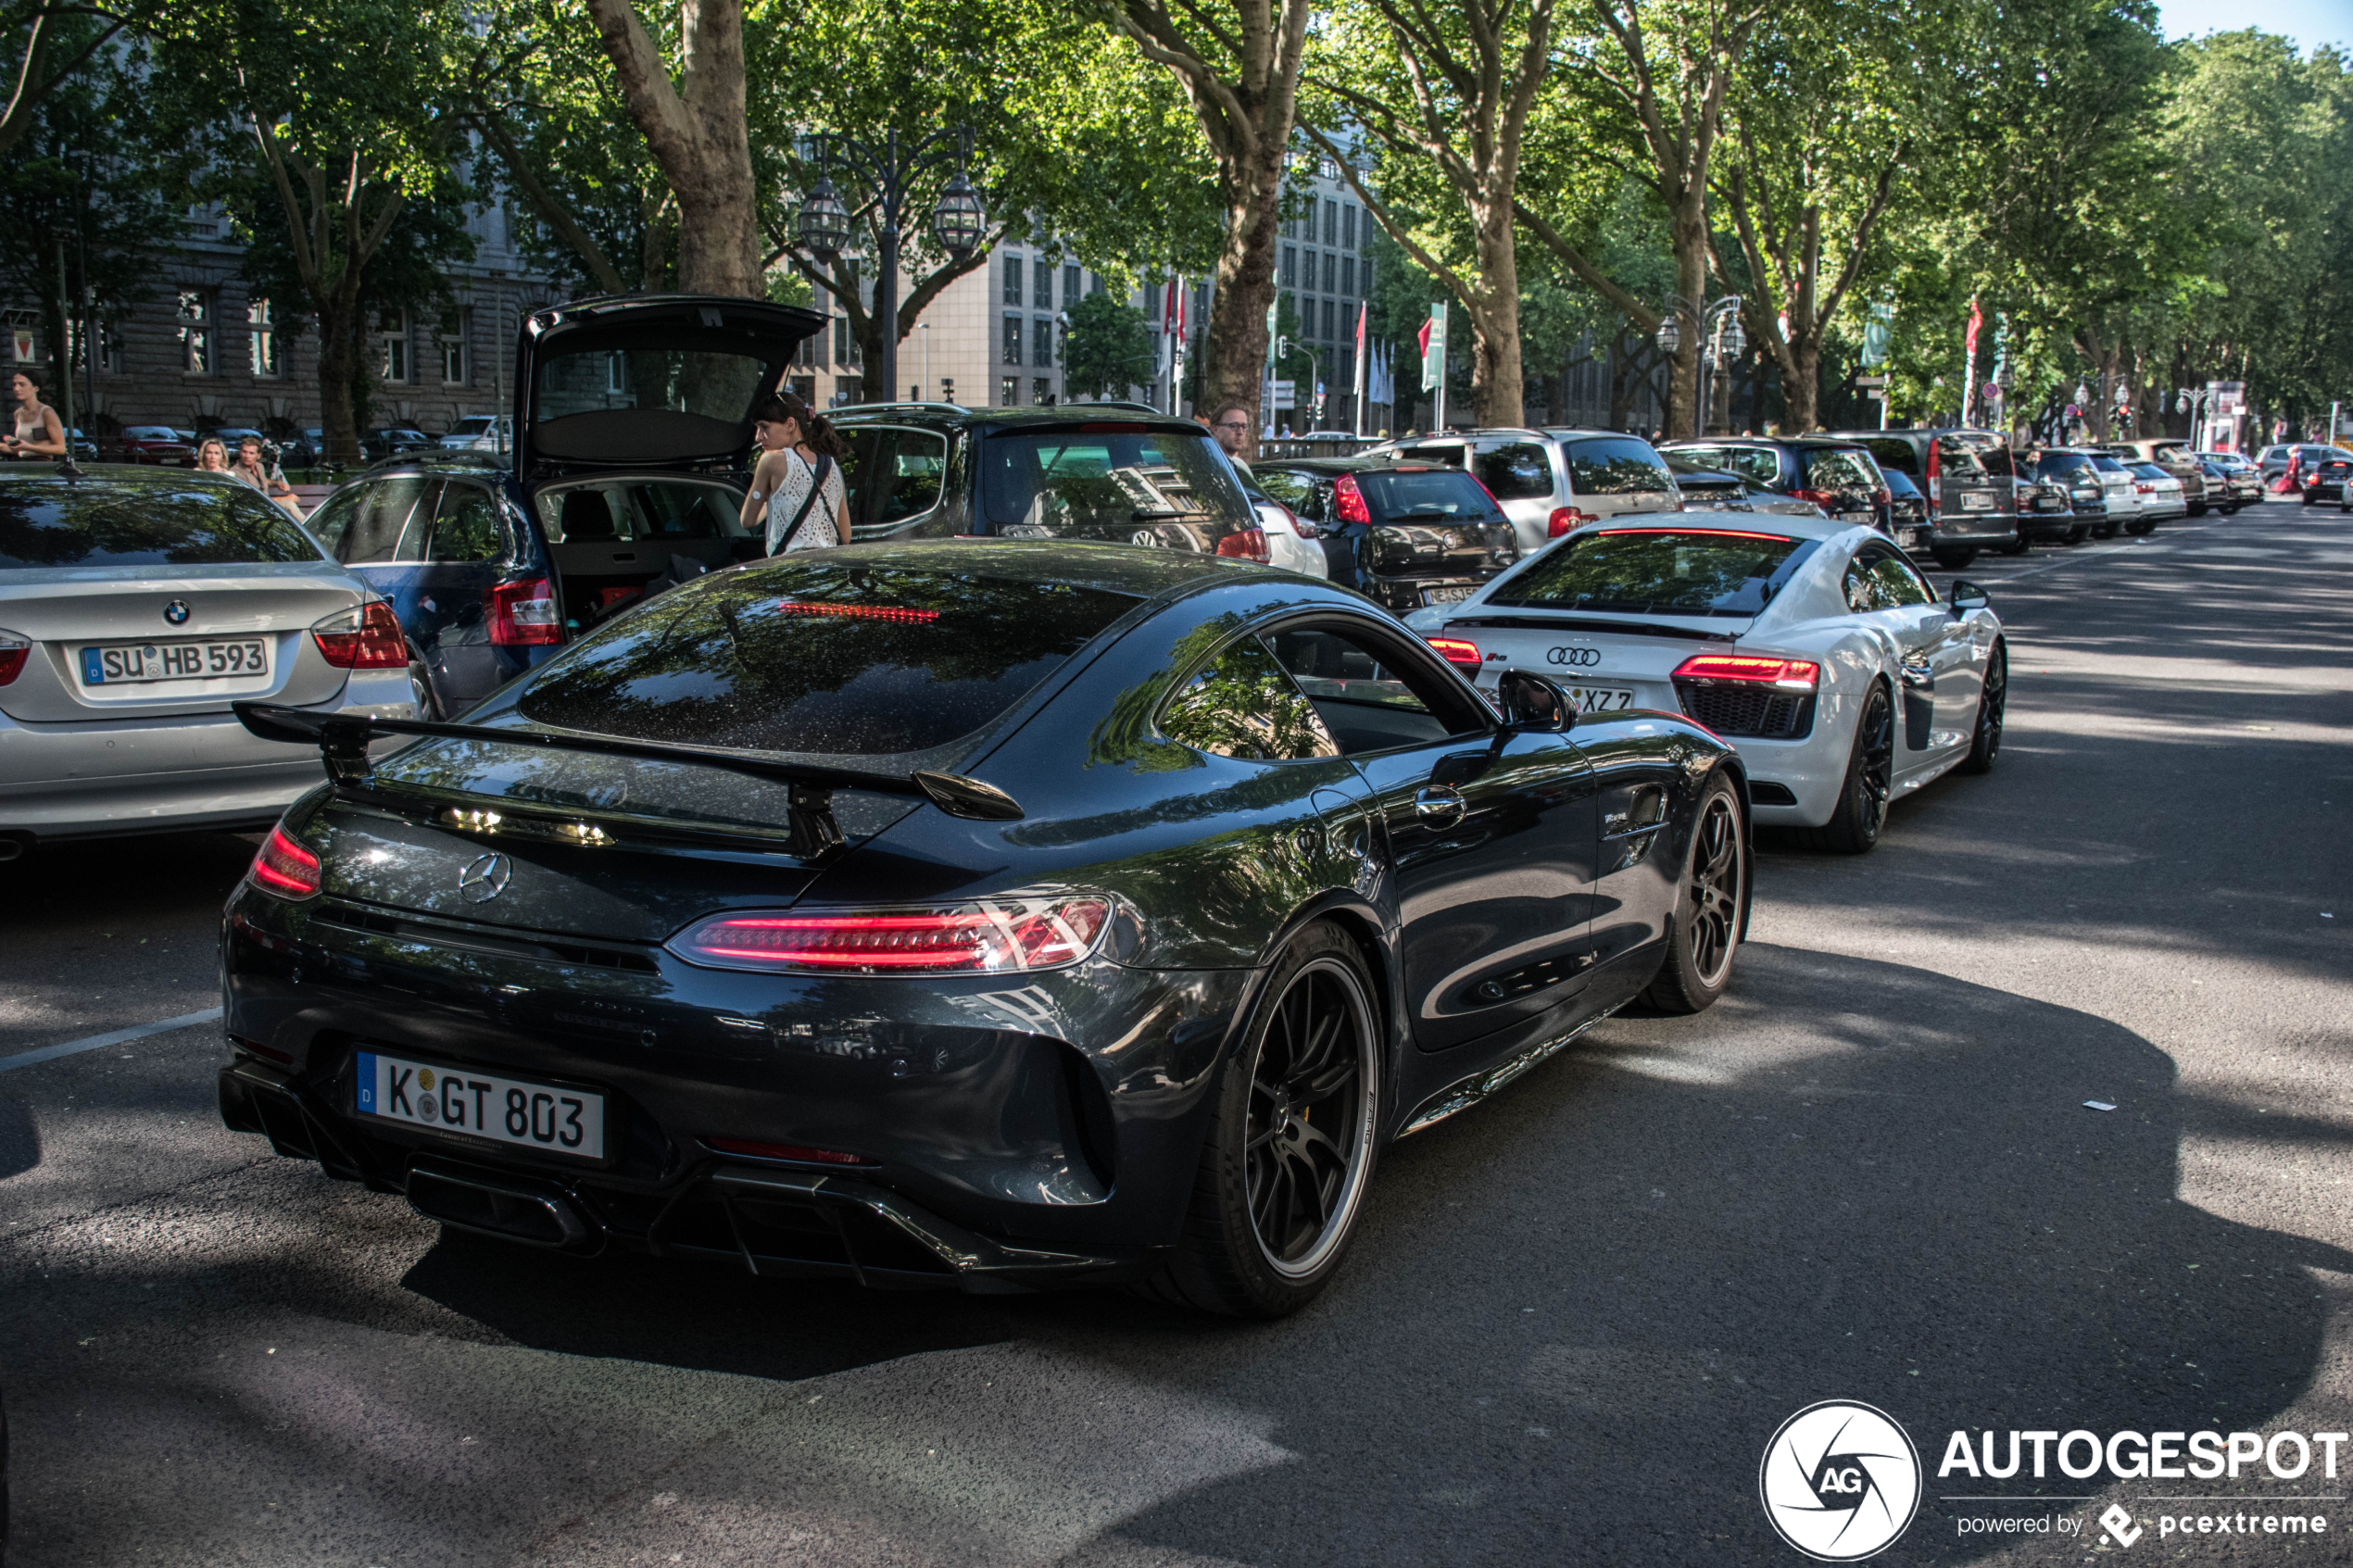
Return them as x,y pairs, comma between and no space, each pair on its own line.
394,441
2326,480
1962,474
2044,512
2174,455
1403,534
2097,486
931,471
2242,481
303,448
1554,480
2156,497
975,915
1840,477
158,445
479,433
134,607
1811,645
2303,455
1292,542
1908,514
1705,489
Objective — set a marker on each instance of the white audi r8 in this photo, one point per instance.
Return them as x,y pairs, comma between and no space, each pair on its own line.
1812,646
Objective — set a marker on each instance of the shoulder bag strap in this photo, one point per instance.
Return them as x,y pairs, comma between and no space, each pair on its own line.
818,473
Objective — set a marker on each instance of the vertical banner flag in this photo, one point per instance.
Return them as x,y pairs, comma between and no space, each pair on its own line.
1362,387
1433,342
1968,368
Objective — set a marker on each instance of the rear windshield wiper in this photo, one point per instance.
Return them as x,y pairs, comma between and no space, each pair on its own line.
343,740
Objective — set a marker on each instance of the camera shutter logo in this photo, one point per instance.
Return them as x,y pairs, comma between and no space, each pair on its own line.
1841,1481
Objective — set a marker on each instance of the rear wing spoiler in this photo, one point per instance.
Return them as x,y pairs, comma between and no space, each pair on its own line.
343,740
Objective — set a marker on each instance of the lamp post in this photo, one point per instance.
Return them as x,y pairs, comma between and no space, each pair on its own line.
885,172
1722,339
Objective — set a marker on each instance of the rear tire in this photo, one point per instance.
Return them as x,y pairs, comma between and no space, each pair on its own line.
1710,909
1993,701
1291,1141
1953,558
1854,826
2104,530
2078,533
2138,527
2017,546
421,692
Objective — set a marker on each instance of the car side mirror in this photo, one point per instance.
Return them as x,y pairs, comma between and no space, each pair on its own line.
1531,702
1967,596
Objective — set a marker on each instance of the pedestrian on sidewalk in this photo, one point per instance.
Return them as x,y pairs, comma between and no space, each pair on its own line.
212,456
797,483
267,478
1231,427
39,432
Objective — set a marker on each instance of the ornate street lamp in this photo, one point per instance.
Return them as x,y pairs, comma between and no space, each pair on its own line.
1720,340
960,221
824,222
1670,336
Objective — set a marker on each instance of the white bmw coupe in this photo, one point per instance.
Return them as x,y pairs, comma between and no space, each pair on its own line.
1811,646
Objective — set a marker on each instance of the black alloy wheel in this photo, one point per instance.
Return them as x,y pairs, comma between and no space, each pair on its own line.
1955,558
2106,529
1710,912
421,692
1861,812
1992,697
2018,546
2141,526
1291,1143
2078,533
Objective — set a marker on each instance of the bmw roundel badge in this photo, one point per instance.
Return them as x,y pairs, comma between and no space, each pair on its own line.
176,612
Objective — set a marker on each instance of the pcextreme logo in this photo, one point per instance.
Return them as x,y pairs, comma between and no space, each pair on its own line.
1840,1481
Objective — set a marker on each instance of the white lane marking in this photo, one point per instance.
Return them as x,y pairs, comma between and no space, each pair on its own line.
98,1042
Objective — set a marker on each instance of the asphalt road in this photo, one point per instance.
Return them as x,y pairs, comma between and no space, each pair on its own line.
1572,1320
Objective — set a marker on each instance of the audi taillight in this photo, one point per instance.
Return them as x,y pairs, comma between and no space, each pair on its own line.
1245,544
282,867
14,650
365,637
1458,651
1348,501
1016,935
523,614
1568,520
1788,674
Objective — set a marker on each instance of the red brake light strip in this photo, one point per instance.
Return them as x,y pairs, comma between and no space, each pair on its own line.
1702,534
858,612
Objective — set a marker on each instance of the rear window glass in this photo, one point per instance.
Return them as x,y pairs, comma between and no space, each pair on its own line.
1521,472
59,523
1968,454
2106,465
2057,463
1296,491
1425,496
1895,457
1659,571
1836,467
1124,486
1617,468
820,659
1759,465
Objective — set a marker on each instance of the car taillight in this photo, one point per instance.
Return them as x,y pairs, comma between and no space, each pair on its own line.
1568,520
366,637
282,867
1821,499
991,936
1458,651
1348,501
523,614
1245,544
1935,468
1790,674
1298,525
1881,498
2145,488
14,650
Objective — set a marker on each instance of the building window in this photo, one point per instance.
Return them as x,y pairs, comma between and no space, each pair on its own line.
616,374
804,388
1328,334
1332,223
261,324
809,353
1070,287
1012,340
847,352
1009,392
110,348
392,346
1013,280
1347,228
1328,169
1153,290
450,339
1288,272
1041,341
1348,276
1041,391
1347,376
1043,286
196,334
1365,275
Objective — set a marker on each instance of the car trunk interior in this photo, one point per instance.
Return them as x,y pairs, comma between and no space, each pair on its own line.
612,535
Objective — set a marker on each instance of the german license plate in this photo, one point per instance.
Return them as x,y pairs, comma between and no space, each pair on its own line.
1862,519
110,664
1453,596
482,1104
1600,699
1976,501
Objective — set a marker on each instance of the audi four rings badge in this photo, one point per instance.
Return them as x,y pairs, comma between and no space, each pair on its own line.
1584,658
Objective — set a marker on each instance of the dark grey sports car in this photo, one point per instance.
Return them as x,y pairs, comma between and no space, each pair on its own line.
998,915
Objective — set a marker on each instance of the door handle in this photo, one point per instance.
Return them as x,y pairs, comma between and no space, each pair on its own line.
1440,806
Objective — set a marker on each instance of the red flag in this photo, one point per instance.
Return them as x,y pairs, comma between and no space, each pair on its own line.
1363,321
1168,317
1976,319
1423,336
1180,310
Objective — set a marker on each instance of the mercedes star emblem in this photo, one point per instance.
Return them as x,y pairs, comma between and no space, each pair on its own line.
486,878
176,612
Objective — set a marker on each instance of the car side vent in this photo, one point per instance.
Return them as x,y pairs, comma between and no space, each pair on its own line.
1764,792
1747,709
1520,982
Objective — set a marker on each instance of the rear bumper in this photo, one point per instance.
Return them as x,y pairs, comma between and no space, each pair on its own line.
96,778
1954,527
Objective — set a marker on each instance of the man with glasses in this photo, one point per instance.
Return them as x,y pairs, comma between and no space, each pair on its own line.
1231,427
